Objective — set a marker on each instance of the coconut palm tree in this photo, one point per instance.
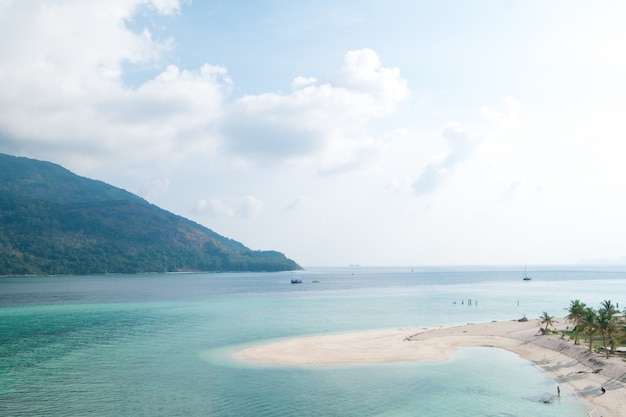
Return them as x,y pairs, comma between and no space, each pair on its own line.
616,341
548,320
609,307
604,323
576,310
588,323
612,312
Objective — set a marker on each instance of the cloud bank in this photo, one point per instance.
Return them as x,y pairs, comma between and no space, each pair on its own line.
461,143
317,115
63,87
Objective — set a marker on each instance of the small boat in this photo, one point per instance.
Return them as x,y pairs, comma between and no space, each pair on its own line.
296,281
526,277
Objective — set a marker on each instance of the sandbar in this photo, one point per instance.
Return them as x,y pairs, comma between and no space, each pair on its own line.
571,365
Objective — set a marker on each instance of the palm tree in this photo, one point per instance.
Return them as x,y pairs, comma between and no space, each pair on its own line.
548,320
588,323
616,341
612,312
604,321
576,311
609,307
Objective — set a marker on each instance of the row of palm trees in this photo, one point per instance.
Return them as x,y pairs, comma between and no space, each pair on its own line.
586,320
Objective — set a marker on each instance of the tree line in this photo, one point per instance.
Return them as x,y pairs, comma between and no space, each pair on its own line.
606,322
49,238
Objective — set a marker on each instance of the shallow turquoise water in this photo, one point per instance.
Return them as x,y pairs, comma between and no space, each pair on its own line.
159,345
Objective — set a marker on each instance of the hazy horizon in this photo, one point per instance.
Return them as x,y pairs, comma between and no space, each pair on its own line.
345,132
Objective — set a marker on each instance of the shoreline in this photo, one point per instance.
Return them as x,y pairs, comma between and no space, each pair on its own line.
570,365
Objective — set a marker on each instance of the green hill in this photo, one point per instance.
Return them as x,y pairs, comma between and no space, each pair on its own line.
55,222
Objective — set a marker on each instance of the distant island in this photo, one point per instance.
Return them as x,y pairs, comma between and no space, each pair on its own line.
54,222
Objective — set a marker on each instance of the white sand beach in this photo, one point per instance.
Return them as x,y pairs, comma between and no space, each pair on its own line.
571,365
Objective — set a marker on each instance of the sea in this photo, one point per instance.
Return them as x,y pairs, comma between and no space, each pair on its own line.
163,344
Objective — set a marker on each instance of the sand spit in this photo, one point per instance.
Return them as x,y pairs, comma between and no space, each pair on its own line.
572,365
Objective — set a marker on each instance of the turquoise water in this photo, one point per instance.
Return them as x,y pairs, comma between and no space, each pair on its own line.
160,345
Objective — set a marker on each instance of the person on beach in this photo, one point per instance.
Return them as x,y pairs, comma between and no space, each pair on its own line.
603,390
558,390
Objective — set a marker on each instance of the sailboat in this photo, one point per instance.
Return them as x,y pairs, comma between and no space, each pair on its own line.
526,277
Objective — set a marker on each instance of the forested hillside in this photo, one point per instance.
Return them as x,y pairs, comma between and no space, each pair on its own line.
55,222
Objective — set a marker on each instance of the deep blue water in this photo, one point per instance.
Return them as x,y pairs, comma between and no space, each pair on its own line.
160,345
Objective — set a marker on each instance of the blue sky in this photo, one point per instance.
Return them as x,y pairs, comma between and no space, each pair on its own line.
343,132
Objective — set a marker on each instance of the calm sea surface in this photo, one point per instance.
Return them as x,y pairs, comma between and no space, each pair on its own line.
160,345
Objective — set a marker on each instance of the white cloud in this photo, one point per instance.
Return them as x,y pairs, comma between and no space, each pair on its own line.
512,188
508,112
86,85
298,203
71,46
166,7
62,76
249,207
302,82
461,143
394,185
213,208
318,116
63,88
364,72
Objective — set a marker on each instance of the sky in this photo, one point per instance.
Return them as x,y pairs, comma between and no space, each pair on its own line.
396,132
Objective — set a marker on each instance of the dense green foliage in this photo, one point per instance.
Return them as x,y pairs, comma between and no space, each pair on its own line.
55,222
606,322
